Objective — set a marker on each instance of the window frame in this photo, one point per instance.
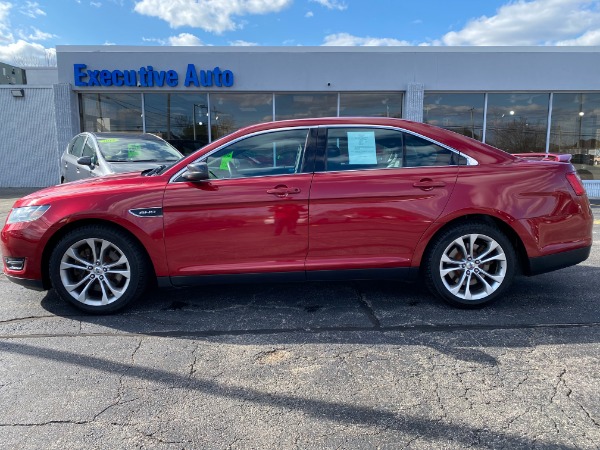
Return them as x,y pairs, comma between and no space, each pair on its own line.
321,156
306,163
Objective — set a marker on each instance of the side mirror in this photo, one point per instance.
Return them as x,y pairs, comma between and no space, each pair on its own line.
85,161
196,172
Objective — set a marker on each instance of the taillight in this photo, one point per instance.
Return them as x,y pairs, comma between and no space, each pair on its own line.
575,183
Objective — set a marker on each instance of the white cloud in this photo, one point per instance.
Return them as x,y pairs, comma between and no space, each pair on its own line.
32,9
533,22
309,14
5,34
156,40
332,4
240,43
588,38
184,39
37,35
348,40
215,16
22,53
96,4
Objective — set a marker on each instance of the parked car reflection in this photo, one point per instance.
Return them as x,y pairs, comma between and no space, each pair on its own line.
97,154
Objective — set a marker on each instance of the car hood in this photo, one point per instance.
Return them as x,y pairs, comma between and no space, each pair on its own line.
91,186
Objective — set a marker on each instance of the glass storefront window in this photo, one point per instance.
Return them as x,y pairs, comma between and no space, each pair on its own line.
576,129
180,119
517,122
230,112
305,105
111,112
373,104
461,113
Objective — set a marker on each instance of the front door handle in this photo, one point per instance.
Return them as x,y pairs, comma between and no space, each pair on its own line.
283,191
428,184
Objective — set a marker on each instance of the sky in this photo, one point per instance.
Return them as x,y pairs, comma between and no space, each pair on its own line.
30,30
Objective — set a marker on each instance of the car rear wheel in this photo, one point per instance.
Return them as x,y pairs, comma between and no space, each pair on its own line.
470,265
98,269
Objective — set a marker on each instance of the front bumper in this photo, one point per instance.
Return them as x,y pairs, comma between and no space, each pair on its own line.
36,285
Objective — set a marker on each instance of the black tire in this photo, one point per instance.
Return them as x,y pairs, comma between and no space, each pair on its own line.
454,272
99,269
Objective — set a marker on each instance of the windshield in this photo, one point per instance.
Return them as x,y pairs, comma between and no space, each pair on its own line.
124,149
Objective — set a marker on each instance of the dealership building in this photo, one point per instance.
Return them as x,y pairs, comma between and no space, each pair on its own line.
520,99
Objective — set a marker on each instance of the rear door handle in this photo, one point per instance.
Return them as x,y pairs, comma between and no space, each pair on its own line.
283,191
428,184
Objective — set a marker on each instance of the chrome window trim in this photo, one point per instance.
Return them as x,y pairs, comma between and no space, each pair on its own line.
470,161
173,178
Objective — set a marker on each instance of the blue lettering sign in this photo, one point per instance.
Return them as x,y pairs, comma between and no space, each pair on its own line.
148,77
79,74
191,77
172,78
227,78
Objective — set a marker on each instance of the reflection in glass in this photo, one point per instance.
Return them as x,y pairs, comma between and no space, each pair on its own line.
305,105
461,113
372,104
180,119
517,123
230,112
576,129
111,112
275,153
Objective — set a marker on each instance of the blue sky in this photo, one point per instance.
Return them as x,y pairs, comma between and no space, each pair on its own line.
30,30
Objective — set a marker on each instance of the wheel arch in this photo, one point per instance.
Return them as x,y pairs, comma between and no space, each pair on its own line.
56,237
504,227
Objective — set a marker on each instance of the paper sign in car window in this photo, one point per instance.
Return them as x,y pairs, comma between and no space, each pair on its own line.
133,150
225,160
106,141
361,147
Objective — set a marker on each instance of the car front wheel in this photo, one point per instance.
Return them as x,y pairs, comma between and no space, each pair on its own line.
469,265
98,269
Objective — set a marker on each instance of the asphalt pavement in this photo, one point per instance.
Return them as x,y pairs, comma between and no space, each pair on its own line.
313,365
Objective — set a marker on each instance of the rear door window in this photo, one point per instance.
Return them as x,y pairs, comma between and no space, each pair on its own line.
363,148
375,148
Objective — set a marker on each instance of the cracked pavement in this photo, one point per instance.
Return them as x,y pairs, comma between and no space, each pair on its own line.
335,365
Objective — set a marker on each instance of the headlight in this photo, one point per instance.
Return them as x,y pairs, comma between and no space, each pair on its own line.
26,213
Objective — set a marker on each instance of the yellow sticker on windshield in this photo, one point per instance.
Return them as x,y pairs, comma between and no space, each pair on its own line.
106,141
225,160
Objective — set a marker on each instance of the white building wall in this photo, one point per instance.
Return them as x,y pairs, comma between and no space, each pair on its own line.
28,140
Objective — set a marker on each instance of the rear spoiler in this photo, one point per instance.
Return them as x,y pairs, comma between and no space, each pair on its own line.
559,157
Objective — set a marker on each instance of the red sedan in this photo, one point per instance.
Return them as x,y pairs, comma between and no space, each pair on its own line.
315,199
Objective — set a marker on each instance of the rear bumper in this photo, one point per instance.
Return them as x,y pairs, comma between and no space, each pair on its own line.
548,263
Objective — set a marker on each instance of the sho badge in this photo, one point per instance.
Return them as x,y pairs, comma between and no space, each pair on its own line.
146,212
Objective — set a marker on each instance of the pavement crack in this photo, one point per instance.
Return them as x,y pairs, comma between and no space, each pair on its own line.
43,424
422,328
23,319
367,307
136,350
193,364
